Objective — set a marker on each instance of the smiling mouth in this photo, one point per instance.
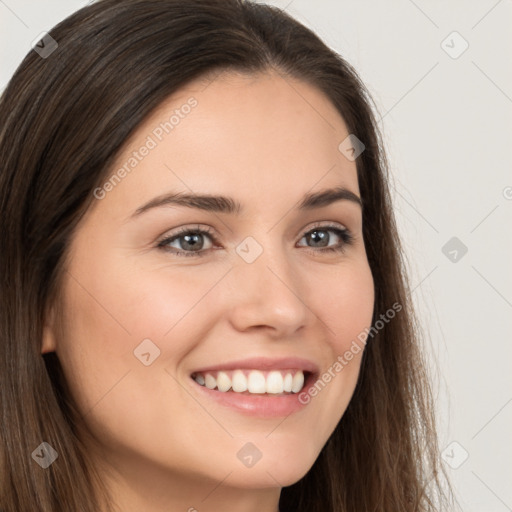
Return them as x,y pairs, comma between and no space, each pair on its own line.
253,382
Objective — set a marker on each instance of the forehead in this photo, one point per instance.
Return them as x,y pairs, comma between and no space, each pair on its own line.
263,136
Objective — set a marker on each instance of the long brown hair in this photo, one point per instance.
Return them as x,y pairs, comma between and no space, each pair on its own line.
64,119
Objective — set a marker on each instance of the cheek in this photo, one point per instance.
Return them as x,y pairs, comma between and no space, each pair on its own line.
155,302
345,302
94,343
349,312
345,307
113,309
108,312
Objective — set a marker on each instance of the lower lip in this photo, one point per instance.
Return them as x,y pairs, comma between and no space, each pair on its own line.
266,406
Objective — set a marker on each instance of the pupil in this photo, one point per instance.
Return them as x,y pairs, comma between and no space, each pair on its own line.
320,236
191,241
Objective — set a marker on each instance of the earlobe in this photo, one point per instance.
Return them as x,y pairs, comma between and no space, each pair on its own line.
48,342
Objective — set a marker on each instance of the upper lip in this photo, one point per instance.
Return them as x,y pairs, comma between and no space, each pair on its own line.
263,363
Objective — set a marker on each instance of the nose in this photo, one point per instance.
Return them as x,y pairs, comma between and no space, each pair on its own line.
268,294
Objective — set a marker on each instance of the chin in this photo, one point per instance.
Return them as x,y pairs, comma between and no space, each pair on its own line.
278,470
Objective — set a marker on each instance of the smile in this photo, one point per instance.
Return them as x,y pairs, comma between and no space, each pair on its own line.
253,382
258,387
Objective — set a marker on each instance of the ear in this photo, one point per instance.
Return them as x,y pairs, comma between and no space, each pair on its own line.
49,342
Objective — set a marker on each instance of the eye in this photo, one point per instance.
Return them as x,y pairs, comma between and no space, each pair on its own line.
320,237
188,242
198,241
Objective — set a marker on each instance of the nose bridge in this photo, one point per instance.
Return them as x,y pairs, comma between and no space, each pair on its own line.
268,292
264,261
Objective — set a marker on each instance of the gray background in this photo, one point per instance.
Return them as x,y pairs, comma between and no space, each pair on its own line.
447,121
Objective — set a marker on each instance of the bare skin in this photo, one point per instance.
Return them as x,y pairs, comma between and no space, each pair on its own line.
265,144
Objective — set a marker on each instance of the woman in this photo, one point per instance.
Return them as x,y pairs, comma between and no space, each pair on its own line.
274,367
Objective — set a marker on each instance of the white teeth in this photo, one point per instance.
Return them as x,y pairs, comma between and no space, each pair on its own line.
223,381
254,381
298,382
239,381
287,383
275,382
209,381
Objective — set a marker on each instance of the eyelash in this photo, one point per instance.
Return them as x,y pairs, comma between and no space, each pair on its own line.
344,234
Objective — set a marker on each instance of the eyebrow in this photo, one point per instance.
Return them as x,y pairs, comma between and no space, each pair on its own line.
223,204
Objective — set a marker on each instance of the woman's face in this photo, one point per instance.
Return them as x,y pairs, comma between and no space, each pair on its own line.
148,302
